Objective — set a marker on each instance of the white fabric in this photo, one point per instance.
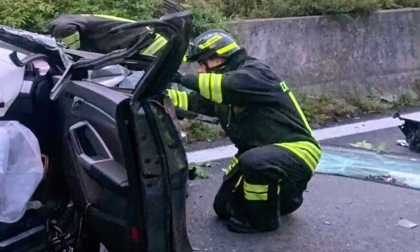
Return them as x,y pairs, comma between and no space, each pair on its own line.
21,169
11,80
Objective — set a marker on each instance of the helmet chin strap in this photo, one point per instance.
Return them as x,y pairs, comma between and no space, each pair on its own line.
214,69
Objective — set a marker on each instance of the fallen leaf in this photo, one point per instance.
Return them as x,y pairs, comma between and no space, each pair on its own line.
363,144
381,148
198,170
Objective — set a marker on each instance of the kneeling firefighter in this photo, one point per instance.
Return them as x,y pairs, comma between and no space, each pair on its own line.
277,152
88,32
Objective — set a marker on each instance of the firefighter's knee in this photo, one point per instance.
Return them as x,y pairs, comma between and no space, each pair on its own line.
255,166
250,161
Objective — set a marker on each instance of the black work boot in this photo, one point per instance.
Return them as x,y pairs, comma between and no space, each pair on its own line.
255,216
227,195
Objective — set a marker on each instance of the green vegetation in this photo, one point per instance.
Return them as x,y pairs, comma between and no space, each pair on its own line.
327,108
202,132
35,14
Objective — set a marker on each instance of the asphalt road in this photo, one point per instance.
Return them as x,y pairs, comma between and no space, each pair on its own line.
339,213
376,138
388,136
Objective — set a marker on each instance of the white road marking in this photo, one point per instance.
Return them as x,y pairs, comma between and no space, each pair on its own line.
228,151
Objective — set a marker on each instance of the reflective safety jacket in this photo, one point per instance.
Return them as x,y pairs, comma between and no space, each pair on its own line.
255,107
90,33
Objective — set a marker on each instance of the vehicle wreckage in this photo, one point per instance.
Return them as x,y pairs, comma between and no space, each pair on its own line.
104,163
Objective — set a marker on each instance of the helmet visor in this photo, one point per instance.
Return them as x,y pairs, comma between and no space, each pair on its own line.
196,54
193,52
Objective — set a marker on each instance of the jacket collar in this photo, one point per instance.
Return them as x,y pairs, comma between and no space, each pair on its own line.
235,61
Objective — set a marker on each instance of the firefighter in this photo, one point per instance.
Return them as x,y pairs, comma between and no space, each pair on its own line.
277,152
88,32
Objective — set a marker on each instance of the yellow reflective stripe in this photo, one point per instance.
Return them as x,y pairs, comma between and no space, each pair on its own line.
232,164
204,85
227,48
302,115
216,88
211,41
117,19
255,196
158,44
113,18
314,151
255,188
239,182
285,88
234,161
210,86
308,159
179,98
173,96
155,46
307,151
182,100
73,41
185,59
255,192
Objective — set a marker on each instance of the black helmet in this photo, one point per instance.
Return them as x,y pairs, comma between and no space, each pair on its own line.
210,44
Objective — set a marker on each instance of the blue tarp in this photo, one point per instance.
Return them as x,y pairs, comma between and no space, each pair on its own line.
400,170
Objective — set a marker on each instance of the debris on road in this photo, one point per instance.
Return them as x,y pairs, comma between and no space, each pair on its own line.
391,99
198,170
365,145
388,179
407,224
381,148
403,143
411,130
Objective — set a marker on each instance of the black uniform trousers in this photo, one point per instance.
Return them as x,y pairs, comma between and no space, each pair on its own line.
271,178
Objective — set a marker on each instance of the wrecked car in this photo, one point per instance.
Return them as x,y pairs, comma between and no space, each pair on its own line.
114,169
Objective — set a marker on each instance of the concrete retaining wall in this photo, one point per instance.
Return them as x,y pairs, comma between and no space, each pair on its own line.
338,53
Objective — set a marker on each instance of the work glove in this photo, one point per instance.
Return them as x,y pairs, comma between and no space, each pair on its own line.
178,78
189,81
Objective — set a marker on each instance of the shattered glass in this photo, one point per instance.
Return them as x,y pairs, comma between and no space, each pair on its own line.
363,164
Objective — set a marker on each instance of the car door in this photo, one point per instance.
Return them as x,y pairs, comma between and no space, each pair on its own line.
125,165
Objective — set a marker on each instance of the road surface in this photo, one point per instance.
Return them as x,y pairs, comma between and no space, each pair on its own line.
339,213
